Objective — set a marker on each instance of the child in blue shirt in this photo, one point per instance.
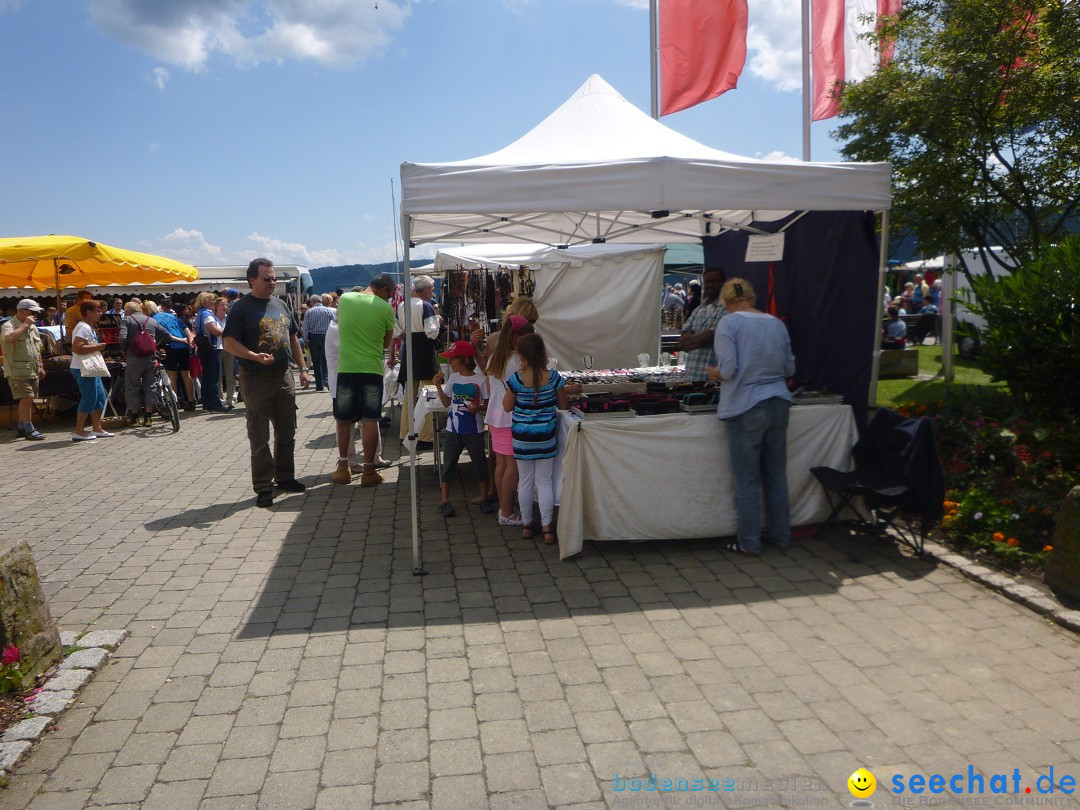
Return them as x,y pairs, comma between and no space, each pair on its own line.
465,394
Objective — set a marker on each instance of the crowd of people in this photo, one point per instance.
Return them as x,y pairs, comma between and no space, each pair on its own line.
498,385
917,298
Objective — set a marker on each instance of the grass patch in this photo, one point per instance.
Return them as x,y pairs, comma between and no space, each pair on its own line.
968,379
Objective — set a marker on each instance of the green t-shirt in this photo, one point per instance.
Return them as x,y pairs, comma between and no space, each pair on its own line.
363,321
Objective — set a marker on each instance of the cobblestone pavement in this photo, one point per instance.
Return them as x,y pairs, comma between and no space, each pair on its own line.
289,658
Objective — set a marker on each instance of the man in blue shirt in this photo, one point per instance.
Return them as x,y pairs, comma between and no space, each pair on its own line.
178,351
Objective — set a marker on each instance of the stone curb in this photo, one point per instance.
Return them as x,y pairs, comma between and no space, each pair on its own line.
57,693
1014,589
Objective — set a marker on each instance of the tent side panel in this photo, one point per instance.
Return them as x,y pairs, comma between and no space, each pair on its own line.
826,293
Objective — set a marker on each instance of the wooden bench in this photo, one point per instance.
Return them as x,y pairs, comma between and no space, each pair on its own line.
899,363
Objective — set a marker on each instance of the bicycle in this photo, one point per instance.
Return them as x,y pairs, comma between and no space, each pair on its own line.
162,389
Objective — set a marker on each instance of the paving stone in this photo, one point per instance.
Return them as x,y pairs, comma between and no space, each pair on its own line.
30,729
68,680
12,752
68,638
106,639
511,772
52,702
85,659
401,781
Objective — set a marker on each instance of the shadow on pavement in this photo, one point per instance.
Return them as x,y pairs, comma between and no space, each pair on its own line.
346,563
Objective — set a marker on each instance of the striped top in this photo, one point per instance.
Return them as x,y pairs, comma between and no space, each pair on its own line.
535,428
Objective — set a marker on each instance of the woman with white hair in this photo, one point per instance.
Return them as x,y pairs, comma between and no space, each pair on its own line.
425,361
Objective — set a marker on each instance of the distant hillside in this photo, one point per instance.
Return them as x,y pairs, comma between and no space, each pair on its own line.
347,276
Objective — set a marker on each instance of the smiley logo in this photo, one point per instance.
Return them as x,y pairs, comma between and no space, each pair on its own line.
862,784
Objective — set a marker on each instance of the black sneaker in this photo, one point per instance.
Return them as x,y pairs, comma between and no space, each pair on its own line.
447,509
487,507
190,406
265,499
146,420
290,485
132,419
35,435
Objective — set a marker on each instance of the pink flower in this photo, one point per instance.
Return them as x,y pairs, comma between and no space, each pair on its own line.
11,655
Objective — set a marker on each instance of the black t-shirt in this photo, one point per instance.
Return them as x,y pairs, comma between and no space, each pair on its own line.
262,325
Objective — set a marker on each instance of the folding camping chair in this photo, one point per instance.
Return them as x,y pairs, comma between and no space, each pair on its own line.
897,487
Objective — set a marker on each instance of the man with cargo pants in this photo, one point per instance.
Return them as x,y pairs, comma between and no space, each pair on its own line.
262,334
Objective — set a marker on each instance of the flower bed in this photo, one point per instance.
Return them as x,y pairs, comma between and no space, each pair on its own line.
1005,479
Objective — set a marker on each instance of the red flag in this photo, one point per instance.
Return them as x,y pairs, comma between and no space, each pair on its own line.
702,50
839,53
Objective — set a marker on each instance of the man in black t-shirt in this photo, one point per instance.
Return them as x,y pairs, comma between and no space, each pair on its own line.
261,333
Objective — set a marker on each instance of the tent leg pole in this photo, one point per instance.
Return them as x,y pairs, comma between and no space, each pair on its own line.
883,259
406,406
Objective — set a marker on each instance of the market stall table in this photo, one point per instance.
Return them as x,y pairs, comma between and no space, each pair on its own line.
669,477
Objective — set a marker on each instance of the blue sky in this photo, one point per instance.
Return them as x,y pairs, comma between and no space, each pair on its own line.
212,131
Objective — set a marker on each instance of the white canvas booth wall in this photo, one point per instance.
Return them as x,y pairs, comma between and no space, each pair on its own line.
598,169
602,300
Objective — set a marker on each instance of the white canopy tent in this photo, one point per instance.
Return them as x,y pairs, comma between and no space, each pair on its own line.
600,170
593,299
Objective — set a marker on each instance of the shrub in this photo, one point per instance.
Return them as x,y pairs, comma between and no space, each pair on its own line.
1032,337
1005,478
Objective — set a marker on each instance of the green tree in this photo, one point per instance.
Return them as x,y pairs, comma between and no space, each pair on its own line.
979,113
1033,331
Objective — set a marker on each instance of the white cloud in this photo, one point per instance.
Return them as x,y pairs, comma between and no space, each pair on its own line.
9,5
779,155
153,148
191,247
282,252
774,42
642,4
160,77
188,33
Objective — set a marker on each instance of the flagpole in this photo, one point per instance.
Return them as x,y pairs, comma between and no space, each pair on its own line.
806,112
652,60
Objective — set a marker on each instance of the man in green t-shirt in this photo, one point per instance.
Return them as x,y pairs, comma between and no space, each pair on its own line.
365,328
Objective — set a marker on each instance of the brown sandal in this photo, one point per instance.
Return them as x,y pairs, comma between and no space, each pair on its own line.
527,533
549,537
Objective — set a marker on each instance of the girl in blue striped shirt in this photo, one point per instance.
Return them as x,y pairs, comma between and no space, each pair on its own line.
534,395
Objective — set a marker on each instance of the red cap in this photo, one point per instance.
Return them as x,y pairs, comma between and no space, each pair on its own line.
459,348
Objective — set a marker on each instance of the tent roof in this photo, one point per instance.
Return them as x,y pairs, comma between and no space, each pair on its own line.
598,168
494,256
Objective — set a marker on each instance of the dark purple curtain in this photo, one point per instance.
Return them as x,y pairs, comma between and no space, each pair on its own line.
825,291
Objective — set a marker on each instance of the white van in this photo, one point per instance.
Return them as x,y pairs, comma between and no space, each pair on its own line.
294,282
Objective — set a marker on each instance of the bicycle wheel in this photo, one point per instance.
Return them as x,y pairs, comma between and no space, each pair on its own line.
168,401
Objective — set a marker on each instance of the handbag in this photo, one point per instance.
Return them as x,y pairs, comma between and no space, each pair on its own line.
93,365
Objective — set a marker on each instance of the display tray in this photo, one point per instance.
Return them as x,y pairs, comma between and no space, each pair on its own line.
818,399
597,417
706,408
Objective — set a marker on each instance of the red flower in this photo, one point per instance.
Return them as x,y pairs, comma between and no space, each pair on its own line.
11,655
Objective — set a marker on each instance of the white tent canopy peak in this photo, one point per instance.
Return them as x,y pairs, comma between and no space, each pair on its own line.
598,169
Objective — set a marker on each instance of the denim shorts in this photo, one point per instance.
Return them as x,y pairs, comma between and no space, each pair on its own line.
359,397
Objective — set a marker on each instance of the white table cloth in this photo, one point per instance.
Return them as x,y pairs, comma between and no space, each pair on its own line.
669,476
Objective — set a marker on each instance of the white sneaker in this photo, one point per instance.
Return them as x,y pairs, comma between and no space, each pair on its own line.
101,434
75,437
381,463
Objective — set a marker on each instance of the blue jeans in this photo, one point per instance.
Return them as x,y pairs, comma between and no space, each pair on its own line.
91,392
757,440
317,345
211,380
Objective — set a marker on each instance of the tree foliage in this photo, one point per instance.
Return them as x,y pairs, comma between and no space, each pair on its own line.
979,113
1033,331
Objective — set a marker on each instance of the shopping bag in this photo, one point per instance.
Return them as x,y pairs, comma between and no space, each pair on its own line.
93,365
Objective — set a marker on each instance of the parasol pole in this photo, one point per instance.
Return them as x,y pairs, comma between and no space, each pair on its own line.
59,310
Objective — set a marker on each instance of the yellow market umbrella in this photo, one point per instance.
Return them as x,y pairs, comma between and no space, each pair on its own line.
45,262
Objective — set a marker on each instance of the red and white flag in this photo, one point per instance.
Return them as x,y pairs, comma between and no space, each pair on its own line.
702,50
839,53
